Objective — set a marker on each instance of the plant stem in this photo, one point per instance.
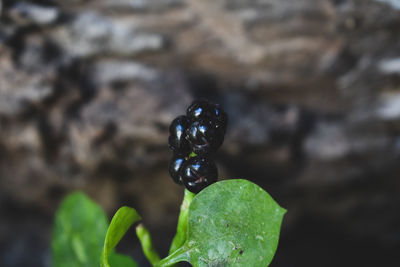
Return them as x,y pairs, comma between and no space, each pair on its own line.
147,246
181,230
181,254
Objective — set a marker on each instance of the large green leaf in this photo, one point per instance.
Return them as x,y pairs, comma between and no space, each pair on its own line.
120,223
79,232
231,223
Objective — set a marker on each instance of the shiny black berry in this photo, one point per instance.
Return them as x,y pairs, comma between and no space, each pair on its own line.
203,136
177,139
175,168
198,173
200,109
203,109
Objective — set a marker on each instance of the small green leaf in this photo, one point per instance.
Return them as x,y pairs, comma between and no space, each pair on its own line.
119,260
231,223
79,231
120,223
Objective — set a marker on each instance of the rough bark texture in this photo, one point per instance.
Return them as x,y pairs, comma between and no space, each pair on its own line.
312,89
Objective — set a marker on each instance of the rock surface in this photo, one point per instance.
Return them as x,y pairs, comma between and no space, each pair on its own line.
312,89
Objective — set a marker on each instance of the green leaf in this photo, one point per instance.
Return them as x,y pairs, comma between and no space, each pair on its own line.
120,223
79,232
231,223
117,260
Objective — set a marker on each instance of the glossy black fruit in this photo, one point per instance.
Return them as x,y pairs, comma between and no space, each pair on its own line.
177,139
201,132
203,137
203,109
200,109
198,173
175,168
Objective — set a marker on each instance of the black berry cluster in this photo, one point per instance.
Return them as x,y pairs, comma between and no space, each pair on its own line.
194,138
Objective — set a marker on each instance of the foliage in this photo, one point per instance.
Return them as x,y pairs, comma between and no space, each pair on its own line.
79,233
122,220
229,223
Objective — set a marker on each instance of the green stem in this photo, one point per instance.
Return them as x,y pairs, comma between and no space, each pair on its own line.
176,253
181,230
147,246
179,255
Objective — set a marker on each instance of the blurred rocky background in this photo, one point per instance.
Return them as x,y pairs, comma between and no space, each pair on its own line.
312,88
